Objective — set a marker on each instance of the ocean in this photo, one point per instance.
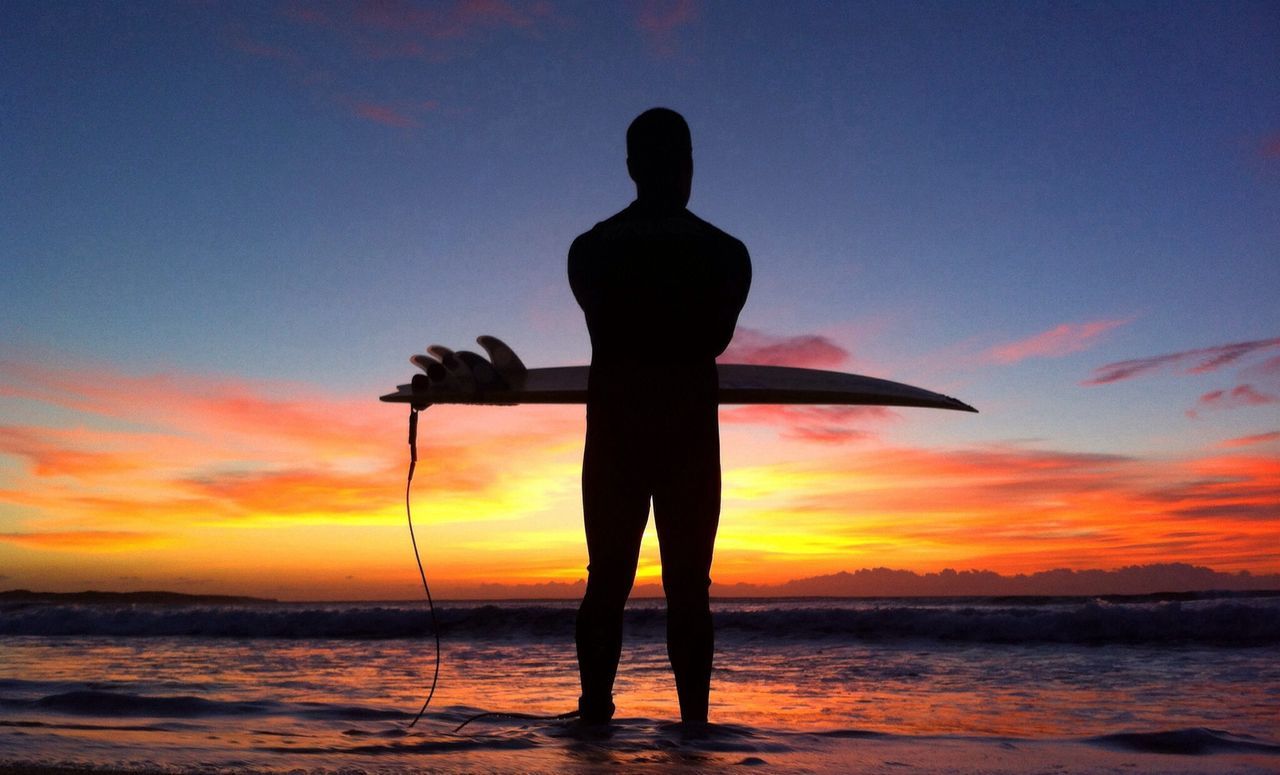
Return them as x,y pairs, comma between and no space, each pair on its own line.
1174,683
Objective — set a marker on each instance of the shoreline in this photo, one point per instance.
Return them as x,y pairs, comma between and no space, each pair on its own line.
824,752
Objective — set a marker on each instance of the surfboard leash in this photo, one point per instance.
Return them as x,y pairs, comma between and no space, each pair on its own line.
522,716
408,510
435,627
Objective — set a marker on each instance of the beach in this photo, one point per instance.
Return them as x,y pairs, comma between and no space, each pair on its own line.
963,685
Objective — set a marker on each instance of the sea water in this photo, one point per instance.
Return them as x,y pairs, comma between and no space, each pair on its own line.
799,685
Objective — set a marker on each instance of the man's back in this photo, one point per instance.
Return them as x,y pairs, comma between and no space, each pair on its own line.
658,286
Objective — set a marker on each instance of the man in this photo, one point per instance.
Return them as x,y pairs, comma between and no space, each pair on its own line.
661,290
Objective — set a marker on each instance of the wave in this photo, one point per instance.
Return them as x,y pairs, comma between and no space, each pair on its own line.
120,706
1229,623
107,704
1186,742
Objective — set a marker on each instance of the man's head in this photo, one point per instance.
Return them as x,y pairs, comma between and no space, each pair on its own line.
660,157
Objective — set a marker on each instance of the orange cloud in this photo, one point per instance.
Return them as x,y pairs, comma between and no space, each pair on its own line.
85,540
308,485
805,351
51,452
219,450
1004,508
1054,343
1245,441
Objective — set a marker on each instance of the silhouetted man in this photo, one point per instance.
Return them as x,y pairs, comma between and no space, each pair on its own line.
661,290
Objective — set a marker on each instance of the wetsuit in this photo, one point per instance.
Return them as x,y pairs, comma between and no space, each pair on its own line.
661,290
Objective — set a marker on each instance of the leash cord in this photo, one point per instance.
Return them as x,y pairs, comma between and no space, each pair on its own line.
435,627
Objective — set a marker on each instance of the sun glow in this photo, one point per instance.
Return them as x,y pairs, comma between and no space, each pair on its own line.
306,499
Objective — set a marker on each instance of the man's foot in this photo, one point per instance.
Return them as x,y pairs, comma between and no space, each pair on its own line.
595,710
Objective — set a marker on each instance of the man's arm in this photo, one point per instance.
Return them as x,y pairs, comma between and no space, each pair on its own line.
585,289
734,287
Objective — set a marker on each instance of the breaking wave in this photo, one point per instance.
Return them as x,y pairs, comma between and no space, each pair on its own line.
1223,623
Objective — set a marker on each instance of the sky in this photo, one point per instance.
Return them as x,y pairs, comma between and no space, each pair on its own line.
228,225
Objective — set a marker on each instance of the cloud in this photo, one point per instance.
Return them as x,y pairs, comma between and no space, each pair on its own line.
383,114
822,424
1270,147
322,39
1004,507
1230,487
1054,343
189,463
1237,397
55,452
659,21
1246,441
1190,361
203,449
395,29
1267,370
84,540
808,351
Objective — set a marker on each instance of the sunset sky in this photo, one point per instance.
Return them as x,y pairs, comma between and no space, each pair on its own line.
227,226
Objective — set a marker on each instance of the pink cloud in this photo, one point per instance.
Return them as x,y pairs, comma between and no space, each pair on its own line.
1054,343
267,416
660,20
807,351
1271,147
1248,441
1191,361
823,424
382,114
1239,396
1268,369
392,29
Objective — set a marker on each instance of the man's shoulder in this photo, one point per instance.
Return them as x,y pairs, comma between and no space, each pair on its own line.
631,224
601,229
716,233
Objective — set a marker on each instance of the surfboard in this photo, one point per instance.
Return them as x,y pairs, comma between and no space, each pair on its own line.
468,378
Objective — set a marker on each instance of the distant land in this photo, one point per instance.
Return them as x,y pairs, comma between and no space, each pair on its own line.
91,597
1155,579
886,582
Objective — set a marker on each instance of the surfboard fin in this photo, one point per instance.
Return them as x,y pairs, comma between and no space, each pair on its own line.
453,373
486,376
504,359
424,362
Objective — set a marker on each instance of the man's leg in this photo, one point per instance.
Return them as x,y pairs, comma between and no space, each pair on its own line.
686,509
615,508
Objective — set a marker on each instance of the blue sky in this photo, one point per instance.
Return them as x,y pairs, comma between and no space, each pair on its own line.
199,180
